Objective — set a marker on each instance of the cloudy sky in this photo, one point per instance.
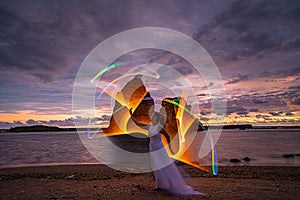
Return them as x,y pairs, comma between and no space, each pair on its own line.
255,45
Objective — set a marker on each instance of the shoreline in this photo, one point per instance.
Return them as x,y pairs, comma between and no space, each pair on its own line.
33,165
97,181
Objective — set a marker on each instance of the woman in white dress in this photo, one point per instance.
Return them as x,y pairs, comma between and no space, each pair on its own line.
167,176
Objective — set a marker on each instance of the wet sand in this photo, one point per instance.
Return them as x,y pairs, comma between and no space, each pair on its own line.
102,182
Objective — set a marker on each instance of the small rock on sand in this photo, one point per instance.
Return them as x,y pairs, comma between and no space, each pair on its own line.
234,160
247,159
288,155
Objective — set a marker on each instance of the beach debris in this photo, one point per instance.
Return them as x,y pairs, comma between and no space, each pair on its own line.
234,160
247,159
288,156
70,177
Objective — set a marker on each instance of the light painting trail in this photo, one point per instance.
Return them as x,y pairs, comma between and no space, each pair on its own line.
111,67
105,90
184,117
214,158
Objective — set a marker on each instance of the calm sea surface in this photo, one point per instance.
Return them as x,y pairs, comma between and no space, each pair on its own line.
263,147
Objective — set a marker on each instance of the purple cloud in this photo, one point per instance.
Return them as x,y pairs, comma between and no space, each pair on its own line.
237,79
43,44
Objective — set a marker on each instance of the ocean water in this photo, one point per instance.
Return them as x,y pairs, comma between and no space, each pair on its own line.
263,147
38,148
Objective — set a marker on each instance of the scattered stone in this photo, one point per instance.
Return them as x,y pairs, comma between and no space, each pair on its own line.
95,186
234,160
288,156
247,159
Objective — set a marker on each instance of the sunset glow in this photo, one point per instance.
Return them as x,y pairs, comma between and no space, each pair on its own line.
256,54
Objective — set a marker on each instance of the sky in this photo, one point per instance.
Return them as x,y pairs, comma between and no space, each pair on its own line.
255,45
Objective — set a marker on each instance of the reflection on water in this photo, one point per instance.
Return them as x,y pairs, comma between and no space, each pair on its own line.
44,147
264,147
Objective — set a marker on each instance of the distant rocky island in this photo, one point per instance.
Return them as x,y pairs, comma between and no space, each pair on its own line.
43,128
240,126
37,128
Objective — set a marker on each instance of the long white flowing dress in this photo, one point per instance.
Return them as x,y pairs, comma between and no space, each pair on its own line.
167,178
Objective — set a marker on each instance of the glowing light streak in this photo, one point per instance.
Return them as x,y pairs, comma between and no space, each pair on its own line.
110,67
183,120
214,158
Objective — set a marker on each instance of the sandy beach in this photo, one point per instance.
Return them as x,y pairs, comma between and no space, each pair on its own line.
102,182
